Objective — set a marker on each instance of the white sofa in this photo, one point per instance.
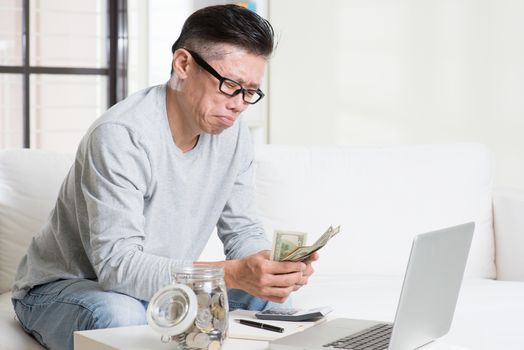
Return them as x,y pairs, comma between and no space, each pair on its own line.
380,196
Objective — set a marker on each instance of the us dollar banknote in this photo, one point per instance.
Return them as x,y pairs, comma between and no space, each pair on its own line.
302,252
285,242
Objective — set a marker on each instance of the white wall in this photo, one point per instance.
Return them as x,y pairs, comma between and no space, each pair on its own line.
396,72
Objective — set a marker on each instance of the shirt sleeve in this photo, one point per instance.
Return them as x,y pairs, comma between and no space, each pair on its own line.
115,181
239,228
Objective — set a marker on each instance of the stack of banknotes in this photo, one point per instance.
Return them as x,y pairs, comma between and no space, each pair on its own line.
291,245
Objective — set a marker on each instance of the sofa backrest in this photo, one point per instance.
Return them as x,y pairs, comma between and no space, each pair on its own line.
29,184
381,197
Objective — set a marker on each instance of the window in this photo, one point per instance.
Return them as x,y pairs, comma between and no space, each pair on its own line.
62,63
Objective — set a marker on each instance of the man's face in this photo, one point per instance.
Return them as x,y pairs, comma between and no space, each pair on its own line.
211,110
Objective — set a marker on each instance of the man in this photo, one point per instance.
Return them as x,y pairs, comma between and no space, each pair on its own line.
151,179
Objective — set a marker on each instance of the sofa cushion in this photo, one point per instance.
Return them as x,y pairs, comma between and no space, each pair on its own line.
381,196
29,184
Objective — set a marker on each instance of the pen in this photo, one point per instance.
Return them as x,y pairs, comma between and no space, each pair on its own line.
261,325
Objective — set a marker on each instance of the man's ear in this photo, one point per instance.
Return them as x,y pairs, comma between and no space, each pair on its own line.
180,63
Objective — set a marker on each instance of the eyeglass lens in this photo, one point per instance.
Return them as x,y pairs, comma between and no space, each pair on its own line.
232,88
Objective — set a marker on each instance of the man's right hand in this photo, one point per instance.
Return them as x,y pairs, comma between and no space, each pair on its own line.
264,278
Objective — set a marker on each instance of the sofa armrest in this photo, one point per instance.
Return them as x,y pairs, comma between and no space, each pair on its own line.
508,221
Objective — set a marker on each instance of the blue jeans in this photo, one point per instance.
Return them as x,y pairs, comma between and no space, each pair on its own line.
52,312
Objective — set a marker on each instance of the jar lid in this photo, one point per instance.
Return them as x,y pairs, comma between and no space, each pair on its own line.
172,310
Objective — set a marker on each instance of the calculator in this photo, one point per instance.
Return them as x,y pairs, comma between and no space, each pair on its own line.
292,314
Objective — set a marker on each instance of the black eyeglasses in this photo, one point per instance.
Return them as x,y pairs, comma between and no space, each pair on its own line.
227,86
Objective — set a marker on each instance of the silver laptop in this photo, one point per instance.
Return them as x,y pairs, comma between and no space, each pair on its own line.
426,306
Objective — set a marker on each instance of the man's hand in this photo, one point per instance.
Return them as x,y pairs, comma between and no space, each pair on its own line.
267,279
307,272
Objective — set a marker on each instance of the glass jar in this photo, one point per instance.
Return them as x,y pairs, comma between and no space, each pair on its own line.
193,310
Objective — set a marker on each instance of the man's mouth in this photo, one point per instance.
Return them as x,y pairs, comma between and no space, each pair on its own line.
227,121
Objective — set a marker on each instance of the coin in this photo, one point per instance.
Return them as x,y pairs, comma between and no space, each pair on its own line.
204,320
222,314
223,302
201,340
214,310
214,345
215,299
218,312
204,315
220,325
204,300
190,339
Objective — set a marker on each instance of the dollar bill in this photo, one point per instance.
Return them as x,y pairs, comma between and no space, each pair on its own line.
303,252
285,242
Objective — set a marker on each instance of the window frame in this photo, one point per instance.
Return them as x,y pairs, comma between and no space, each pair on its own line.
116,70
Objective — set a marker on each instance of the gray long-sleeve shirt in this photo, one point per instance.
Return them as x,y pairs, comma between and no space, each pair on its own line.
134,206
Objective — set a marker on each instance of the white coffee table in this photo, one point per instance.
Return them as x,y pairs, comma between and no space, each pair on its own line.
144,338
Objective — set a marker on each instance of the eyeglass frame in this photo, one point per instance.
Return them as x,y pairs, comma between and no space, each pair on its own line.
207,67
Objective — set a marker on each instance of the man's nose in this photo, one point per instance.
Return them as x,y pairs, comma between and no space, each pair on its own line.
236,103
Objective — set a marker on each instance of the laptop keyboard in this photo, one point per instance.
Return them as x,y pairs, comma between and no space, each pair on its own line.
372,338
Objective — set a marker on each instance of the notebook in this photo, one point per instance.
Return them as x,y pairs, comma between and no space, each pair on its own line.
237,330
